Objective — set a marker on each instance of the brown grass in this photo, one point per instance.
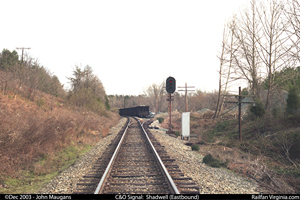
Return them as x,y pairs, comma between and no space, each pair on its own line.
257,167
31,131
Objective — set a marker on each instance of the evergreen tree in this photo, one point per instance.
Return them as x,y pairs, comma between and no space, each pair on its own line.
87,90
8,59
244,92
107,103
285,79
258,110
292,102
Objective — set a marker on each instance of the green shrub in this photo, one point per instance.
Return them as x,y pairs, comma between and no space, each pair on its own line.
160,119
245,92
177,133
208,136
207,159
258,110
276,112
221,126
195,147
292,101
293,172
213,162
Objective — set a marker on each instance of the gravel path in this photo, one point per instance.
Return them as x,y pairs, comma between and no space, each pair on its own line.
66,182
210,180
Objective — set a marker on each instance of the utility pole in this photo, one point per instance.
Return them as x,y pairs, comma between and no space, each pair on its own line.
240,114
21,74
240,108
186,90
22,51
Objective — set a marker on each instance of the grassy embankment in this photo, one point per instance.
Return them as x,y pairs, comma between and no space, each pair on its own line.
269,151
41,138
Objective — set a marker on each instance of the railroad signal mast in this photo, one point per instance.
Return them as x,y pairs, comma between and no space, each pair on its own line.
170,87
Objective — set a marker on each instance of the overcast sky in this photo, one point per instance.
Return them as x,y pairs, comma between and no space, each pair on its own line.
129,44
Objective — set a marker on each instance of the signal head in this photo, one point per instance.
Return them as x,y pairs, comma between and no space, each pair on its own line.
170,84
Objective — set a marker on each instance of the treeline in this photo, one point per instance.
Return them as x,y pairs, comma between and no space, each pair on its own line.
155,97
261,45
27,76
30,73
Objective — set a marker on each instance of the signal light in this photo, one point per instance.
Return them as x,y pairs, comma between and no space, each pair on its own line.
170,84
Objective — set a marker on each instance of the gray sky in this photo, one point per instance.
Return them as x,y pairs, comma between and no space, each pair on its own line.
125,42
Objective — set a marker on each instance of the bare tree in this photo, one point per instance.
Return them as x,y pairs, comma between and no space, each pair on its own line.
293,16
273,44
246,58
156,92
222,60
226,63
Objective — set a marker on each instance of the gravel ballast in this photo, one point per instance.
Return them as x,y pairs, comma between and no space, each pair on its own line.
210,180
65,183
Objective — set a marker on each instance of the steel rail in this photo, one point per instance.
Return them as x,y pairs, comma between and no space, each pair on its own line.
162,166
103,178
164,170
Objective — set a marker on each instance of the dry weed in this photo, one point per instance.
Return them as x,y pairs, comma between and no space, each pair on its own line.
249,166
29,132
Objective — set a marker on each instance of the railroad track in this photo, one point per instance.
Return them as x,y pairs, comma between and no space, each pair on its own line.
135,165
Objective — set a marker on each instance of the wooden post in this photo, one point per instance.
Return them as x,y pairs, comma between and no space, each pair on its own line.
240,114
240,108
186,99
21,78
